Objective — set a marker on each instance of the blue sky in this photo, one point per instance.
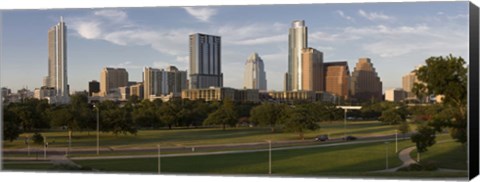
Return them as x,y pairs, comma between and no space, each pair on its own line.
396,36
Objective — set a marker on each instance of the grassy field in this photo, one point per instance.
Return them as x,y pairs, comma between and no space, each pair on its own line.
449,155
192,137
26,166
358,158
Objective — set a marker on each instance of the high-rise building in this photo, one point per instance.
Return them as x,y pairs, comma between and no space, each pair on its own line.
312,70
160,82
365,83
93,87
254,75
297,41
57,62
407,84
111,79
205,61
337,78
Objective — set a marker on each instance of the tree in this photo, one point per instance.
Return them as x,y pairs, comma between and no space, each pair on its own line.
267,114
225,115
424,138
299,119
391,116
11,127
447,76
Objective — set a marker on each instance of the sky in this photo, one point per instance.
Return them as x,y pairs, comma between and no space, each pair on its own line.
396,36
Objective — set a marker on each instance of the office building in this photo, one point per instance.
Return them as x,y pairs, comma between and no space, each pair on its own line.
407,84
297,41
160,82
365,84
221,93
205,61
337,79
137,90
395,95
254,75
93,87
111,79
57,62
312,70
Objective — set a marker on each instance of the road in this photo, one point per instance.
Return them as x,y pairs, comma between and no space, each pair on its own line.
199,150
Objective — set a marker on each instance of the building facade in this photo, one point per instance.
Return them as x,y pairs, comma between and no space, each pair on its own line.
408,81
93,87
254,75
395,95
160,82
337,79
57,62
221,93
111,79
312,70
137,90
365,83
205,61
297,41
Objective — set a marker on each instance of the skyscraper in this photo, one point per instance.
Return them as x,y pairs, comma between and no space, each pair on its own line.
337,78
254,75
297,40
365,83
312,70
57,62
205,61
160,82
111,79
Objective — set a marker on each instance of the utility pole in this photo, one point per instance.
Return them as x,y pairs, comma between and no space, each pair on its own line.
159,167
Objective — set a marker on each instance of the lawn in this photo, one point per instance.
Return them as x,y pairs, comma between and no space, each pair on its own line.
26,166
206,136
445,154
357,159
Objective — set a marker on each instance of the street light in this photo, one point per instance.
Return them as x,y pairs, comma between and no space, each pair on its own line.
159,167
45,145
386,154
98,131
396,141
345,109
269,157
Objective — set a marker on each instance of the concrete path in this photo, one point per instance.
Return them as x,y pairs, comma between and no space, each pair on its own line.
404,156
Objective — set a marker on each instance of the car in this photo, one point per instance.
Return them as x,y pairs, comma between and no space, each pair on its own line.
321,138
350,138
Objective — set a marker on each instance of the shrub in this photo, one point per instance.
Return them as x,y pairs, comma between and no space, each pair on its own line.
37,138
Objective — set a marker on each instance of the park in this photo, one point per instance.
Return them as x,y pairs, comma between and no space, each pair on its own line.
376,139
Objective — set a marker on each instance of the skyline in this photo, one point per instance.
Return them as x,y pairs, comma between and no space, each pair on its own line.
345,32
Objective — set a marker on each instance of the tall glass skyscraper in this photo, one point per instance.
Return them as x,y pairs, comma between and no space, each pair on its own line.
57,61
205,61
297,40
254,75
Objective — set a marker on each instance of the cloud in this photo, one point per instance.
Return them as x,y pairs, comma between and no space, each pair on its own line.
112,14
201,13
372,16
88,29
342,14
252,34
115,27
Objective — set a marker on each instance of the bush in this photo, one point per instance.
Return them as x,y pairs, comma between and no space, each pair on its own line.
37,138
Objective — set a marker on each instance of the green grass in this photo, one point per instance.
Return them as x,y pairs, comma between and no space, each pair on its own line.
449,155
358,159
192,137
26,166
